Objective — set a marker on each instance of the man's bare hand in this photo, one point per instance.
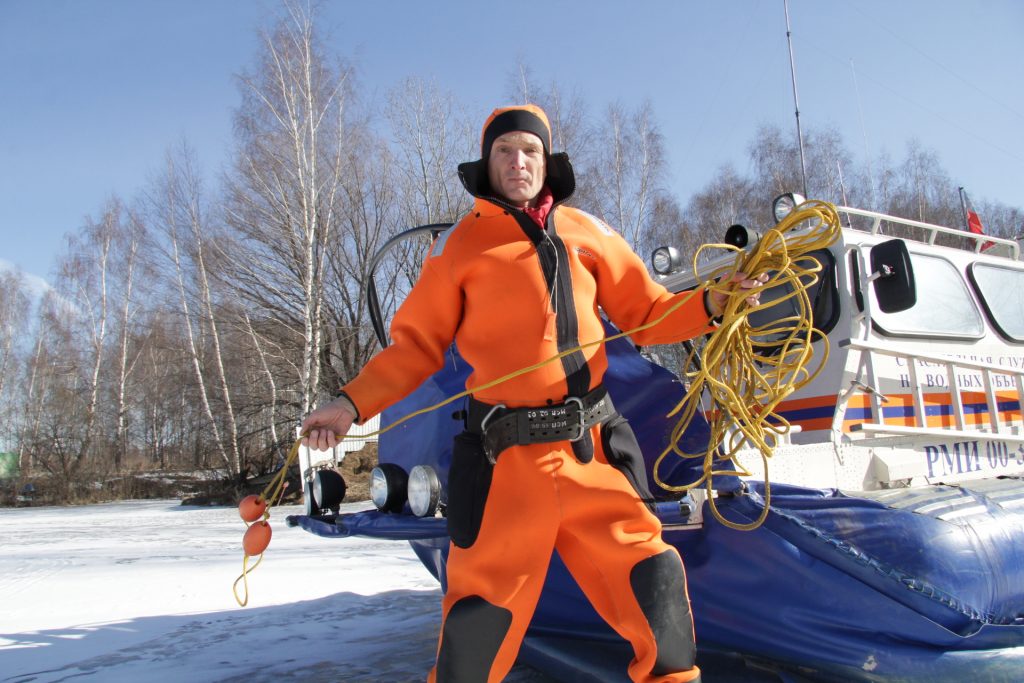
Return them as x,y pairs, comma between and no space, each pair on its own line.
325,426
717,300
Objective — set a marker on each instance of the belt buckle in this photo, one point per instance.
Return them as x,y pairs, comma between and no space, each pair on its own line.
582,424
489,415
491,457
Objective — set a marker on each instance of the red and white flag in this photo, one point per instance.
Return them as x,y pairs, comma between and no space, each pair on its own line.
974,222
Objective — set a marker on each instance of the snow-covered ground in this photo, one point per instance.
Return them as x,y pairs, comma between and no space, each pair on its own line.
141,591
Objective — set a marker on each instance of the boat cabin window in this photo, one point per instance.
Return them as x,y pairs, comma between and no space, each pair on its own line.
1001,291
944,305
823,295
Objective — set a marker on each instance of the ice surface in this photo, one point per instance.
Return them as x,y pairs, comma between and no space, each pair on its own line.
141,591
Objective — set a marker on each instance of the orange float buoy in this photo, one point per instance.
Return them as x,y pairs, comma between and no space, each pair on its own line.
256,539
252,508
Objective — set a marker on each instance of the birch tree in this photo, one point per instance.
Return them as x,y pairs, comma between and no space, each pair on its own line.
46,439
178,208
66,374
627,172
566,110
284,190
366,218
173,421
129,238
15,305
31,405
926,192
269,412
431,136
83,284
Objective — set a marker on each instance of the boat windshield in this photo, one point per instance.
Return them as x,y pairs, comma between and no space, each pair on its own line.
944,305
1001,291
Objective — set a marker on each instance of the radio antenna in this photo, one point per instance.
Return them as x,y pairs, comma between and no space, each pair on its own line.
796,99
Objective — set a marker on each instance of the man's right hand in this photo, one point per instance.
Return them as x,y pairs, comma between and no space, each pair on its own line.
325,426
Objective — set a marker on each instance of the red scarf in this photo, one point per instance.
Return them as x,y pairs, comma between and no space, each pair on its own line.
539,213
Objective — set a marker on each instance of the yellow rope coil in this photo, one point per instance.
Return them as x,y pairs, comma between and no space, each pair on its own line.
747,371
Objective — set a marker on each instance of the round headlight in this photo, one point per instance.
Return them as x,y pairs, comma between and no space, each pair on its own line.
424,491
328,489
665,260
785,203
388,484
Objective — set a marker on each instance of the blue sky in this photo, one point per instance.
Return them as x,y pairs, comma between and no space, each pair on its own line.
93,92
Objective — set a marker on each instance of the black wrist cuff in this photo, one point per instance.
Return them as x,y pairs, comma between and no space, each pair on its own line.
707,309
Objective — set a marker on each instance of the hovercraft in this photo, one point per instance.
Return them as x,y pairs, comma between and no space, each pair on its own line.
893,545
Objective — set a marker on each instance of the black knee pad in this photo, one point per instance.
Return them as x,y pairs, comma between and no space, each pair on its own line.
659,585
473,632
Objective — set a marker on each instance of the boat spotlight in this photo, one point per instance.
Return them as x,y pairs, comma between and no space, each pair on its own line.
666,260
328,489
784,204
424,491
741,236
388,485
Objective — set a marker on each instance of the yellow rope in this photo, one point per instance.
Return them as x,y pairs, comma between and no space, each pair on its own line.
745,381
246,570
277,484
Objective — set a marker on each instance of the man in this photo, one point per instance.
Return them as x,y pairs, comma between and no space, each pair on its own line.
545,462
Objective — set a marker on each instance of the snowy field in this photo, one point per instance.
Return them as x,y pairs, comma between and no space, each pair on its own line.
141,591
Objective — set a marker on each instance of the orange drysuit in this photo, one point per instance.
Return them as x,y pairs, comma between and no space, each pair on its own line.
511,294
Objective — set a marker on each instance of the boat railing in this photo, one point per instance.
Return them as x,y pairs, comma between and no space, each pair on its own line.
1003,421
994,246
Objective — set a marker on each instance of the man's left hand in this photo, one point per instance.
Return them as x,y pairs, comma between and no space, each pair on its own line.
717,300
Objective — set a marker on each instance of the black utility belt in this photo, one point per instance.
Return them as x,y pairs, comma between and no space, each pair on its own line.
502,427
